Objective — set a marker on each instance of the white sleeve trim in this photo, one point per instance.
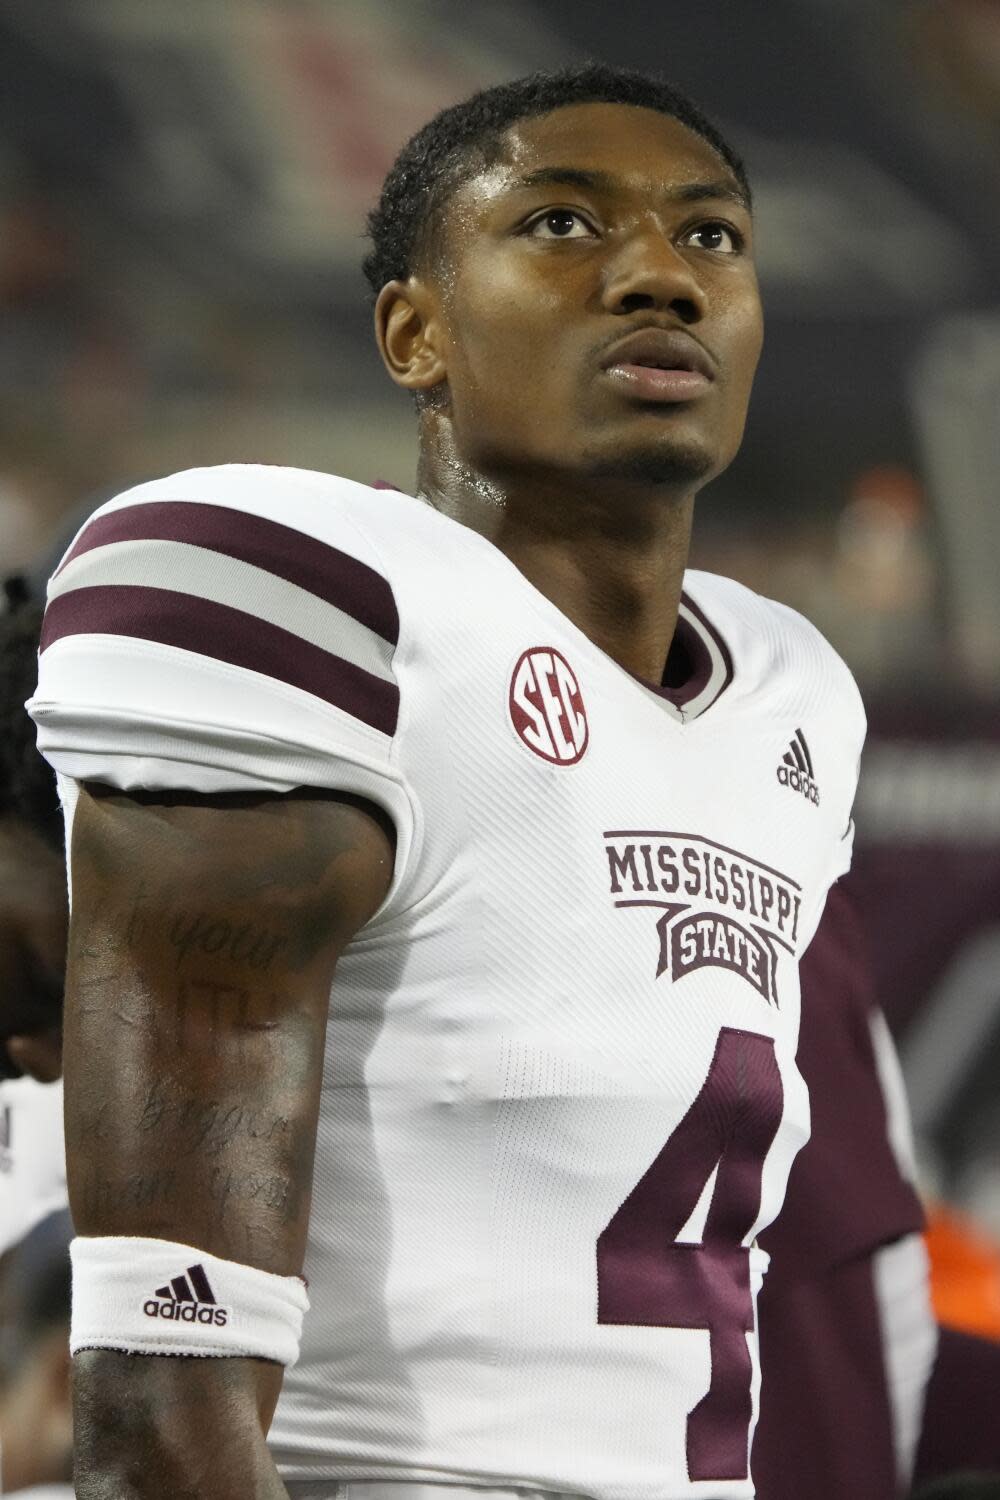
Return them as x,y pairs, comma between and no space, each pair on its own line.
909,1342
296,741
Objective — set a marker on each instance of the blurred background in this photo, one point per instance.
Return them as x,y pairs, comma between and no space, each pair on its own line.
183,186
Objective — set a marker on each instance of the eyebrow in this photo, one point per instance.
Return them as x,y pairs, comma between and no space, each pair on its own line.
606,182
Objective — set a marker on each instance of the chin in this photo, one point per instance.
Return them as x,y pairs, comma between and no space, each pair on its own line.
668,463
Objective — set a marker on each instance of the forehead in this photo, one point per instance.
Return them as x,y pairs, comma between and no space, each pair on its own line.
639,146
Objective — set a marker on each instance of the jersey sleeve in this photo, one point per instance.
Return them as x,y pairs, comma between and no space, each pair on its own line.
832,698
855,727
217,635
828,704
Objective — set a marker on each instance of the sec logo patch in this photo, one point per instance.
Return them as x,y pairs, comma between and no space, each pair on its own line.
546,706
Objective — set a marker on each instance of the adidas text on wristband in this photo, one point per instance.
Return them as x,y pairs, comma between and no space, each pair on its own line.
162,1297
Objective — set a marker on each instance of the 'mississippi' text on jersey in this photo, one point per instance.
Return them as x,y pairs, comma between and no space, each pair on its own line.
560,1099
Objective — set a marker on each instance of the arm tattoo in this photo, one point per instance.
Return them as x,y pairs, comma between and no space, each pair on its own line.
201,960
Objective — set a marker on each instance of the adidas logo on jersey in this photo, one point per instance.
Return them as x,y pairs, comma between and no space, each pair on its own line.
796,768
187,1299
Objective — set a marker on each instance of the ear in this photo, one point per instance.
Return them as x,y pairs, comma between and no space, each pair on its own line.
409,335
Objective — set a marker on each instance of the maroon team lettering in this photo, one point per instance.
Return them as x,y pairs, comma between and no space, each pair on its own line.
647,1278
754,909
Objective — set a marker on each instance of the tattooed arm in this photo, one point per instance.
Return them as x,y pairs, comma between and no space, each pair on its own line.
203,941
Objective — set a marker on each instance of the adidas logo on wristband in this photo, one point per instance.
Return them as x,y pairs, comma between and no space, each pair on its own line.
187,1299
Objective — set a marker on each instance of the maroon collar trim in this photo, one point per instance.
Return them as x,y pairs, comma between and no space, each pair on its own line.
711,663
710,657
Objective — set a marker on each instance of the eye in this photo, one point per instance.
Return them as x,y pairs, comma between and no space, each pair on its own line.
559,224
721,238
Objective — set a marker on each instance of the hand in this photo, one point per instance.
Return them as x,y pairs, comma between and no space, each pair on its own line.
40,1056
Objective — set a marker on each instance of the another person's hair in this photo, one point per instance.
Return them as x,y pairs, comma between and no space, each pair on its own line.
465,138
27,785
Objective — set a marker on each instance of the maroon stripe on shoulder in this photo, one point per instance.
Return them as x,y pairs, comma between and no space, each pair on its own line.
225,634
313,565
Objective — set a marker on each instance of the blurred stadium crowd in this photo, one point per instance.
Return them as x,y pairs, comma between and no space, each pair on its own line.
182,190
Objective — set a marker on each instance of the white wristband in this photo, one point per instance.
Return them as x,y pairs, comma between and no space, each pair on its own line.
160,1297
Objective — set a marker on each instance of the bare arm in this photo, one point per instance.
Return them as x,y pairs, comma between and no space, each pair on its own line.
203,942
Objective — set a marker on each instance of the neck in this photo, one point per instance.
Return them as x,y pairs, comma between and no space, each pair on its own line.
609,553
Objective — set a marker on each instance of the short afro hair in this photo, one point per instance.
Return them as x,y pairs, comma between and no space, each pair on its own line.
465,138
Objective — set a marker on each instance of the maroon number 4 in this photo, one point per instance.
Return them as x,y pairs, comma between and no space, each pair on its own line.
645,1277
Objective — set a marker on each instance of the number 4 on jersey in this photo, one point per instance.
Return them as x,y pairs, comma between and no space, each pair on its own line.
645,1277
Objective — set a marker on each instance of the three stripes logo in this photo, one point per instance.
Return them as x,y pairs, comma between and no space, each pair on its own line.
187,1299
6,1132
796,768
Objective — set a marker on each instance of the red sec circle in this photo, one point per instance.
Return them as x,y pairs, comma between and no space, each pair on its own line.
546,706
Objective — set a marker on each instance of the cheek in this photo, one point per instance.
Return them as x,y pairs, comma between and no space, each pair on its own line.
755,341
748,336
505,366
740,349
505,330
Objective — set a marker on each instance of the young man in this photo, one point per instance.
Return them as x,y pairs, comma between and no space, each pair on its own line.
561,818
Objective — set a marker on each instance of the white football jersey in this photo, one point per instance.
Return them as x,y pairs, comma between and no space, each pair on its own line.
32,1156
560,1098
46,1492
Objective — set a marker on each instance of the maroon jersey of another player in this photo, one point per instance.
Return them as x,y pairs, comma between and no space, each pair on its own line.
827,1427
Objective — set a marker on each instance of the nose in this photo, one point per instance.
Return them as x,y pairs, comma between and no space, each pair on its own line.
650,273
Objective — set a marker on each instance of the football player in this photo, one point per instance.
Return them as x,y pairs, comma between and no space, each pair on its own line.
440,869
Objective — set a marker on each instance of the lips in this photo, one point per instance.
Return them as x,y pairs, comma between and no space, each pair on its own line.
659,349
659,366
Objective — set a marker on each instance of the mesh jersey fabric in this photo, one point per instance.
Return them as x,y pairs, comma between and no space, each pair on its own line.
560,1098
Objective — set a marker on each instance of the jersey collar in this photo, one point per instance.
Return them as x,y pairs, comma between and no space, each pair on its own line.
711,665
711,661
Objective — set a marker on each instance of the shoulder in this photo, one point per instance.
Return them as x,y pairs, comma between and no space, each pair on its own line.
262,533
216,608
219,505
197,556
775,646
784,632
